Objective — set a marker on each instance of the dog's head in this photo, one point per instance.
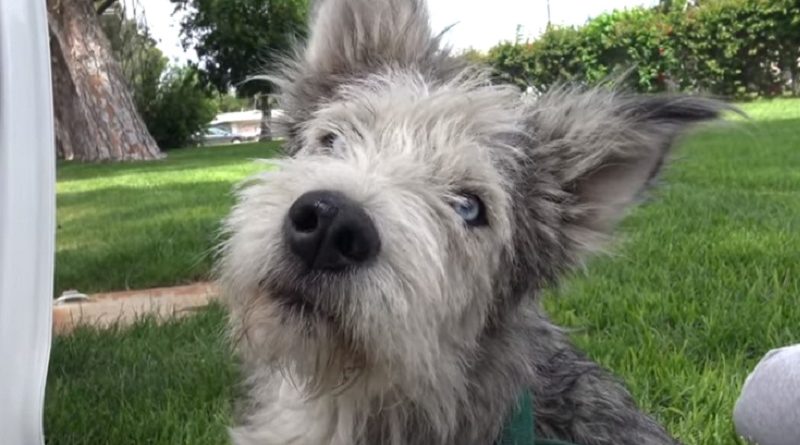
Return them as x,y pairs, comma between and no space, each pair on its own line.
421,203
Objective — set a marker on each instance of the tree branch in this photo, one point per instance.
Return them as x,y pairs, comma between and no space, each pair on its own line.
102,7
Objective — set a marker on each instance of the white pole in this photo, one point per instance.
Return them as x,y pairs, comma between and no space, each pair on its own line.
27,218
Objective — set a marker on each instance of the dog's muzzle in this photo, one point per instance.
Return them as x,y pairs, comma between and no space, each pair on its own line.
328,231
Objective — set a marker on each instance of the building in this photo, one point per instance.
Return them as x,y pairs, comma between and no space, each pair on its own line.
246,124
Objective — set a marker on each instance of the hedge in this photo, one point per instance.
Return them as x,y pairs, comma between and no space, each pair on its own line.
733,48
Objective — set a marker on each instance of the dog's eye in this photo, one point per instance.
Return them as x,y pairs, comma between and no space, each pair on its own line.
328,139
471,209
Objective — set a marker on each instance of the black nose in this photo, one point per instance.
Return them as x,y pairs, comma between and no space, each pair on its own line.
329,231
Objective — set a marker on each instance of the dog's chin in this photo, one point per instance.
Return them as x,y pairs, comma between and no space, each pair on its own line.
319,357
295,302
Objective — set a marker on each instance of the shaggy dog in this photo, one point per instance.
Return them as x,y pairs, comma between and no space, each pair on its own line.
383,280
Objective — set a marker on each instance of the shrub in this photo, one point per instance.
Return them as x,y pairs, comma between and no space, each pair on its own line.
182,108
228,102
739,48
557,56
637,39
513,63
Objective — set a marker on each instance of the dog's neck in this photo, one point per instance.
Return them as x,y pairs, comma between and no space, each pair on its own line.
472,407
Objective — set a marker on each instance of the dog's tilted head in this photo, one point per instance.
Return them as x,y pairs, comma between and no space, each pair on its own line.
421,203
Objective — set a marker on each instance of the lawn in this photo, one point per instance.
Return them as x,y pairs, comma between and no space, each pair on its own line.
145,224
168,384
702,283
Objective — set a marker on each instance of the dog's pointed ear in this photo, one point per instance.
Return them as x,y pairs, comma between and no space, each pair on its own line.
351,39
606,149
353,36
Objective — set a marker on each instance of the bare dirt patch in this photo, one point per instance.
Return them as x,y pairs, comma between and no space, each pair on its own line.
110,308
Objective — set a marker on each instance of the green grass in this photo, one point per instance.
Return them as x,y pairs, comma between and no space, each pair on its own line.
705,281
145,224
168,384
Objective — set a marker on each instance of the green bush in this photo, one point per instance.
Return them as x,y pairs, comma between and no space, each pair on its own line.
740,48
181,108
636,40
228,102
558,55
513,63
554,58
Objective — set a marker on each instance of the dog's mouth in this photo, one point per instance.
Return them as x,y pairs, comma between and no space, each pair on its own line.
306,293
296,302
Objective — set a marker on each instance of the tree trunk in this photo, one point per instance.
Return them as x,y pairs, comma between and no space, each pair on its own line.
95,116
266,118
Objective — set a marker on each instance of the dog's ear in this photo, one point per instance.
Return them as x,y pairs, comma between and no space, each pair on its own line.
606,149
351,39
353,36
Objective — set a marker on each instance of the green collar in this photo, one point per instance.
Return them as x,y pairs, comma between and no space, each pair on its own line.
519,429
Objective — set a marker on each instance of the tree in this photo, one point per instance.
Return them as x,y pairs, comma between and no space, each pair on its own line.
233,38
95,114
140,60
172,102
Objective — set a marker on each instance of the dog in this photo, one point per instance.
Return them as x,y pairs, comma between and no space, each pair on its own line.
383,278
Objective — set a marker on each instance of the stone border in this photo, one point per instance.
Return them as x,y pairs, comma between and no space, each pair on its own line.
105,309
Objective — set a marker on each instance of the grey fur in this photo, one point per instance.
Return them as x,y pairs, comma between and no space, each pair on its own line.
433,343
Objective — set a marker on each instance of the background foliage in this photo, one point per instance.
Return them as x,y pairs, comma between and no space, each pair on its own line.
183,106
235,39
733,48
171,100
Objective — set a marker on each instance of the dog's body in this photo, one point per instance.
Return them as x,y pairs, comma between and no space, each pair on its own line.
383,281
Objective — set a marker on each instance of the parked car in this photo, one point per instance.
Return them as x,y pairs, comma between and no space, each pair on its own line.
218,136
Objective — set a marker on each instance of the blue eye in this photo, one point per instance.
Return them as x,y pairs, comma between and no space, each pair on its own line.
471,209
328,139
